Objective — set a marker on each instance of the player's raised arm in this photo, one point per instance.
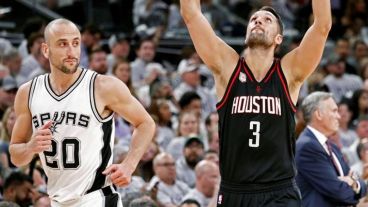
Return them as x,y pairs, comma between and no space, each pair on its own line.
302,61
214,52
116,97
24,145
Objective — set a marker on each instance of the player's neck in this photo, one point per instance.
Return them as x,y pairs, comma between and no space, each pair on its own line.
259,61
60,82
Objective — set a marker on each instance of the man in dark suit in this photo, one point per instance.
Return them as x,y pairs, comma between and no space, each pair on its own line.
324,177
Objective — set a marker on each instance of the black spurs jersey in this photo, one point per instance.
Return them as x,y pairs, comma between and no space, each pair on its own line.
256,127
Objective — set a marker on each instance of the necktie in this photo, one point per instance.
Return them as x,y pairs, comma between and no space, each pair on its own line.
329,147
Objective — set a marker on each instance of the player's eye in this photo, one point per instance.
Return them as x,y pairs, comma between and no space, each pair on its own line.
268,20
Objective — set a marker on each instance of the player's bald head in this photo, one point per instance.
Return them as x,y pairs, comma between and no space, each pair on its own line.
54,26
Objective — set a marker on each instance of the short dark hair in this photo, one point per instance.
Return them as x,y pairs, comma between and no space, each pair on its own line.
16,179
273,11
32,39
96,50
91,28
190,201
361,147
143,40
32,25
187,98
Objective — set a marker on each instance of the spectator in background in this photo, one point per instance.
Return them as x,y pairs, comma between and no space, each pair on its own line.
193,153
32,25
324,178
143,202
161,109
359,105
123,71
7,125
211,125
207,177
216,17
119,45
18,189
361,167
214,140
188,125
360,51
363,71
362,132
97,61
346,134
8,204
164,90
170,189
342,54
90,38
32,61
155,73
212,156
8,91
12,62
191,101
340,83
42,69
190,203
190,76
146,51
145,167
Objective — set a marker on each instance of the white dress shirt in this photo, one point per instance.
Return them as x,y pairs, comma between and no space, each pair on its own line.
322,139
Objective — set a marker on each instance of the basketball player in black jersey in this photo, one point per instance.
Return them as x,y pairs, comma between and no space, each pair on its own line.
257,95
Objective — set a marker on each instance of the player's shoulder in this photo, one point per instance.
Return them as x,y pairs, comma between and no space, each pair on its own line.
106,80
23,90
107,84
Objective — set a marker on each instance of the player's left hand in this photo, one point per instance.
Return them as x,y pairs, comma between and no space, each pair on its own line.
120,174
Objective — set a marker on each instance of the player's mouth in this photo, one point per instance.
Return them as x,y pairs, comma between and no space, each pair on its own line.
72,60
255,29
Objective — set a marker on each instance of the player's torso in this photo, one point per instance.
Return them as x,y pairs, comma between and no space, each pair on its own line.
82,141
256,127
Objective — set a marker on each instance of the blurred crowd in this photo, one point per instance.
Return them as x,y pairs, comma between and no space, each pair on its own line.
180,167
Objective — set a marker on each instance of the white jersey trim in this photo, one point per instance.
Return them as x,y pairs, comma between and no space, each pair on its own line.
68,91
31,92
93,101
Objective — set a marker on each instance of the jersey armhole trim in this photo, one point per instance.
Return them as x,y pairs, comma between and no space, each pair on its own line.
246,69
229,86
284,86
31,92
93,101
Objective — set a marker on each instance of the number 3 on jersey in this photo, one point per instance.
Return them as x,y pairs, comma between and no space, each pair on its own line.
255,126
70,148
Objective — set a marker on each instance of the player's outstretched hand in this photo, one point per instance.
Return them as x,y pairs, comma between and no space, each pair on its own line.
41,140
120,174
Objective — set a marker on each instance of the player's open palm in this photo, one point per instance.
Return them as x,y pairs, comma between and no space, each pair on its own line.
41,139
120,174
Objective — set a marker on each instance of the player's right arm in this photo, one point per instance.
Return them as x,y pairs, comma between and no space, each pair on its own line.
24,145
215,53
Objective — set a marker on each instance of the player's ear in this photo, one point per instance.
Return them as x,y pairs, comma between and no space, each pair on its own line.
278,39
45,50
